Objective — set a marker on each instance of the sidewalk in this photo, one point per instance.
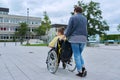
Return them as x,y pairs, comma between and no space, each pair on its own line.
28,63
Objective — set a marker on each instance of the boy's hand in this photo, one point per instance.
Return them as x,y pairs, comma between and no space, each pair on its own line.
64,37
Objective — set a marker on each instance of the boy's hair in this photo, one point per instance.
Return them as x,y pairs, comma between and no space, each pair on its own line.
60,30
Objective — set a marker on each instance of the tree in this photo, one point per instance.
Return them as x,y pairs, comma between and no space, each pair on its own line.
118,27
22,31
46,21
45,25
96,24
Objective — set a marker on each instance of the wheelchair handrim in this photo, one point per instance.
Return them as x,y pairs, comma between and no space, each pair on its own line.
52,64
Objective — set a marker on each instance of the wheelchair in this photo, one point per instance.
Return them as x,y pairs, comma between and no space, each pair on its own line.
54,58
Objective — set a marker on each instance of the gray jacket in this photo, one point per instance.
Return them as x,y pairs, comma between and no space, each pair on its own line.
76,30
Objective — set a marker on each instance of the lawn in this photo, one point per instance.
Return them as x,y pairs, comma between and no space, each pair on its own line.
35,45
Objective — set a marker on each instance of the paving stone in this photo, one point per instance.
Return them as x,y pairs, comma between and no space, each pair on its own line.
28,63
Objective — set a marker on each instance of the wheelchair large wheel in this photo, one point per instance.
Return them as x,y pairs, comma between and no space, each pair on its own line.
71,66
52,63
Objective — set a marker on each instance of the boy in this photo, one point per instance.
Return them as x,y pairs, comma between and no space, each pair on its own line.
53,43
60,34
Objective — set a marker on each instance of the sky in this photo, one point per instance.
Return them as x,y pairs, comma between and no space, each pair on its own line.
59,10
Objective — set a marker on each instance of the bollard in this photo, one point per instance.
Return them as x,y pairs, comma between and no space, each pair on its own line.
15,43
4,43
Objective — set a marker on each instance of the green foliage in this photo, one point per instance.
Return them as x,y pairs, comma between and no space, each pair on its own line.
22,29
115,37
35,45
45,25
118,27
46,21
40,30
96,24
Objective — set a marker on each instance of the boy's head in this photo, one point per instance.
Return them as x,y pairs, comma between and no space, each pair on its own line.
60,31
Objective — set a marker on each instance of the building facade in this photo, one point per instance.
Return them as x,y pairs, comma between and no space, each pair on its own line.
10,23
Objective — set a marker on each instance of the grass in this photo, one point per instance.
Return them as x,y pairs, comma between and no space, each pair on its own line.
35,44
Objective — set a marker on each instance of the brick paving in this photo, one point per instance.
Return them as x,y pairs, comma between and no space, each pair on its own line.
28,63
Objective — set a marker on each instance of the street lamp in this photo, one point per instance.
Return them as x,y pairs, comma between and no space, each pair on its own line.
28,34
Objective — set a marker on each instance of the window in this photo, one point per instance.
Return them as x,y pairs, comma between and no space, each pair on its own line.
2,37
1,19
5,13
0,12
16,29
12,20
6,20
1,28
4,29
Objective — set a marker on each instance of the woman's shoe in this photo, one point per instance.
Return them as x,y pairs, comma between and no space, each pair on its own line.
79,74
83,73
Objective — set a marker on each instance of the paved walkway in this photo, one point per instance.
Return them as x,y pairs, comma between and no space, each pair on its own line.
28,63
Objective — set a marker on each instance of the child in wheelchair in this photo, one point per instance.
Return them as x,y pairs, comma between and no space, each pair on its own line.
56,42
60,51
59,35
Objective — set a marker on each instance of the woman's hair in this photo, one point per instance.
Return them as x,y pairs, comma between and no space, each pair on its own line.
60,30
78,9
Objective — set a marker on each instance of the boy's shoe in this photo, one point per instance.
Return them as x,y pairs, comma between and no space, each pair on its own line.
64,65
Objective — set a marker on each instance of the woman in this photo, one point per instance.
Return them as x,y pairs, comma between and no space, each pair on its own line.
76,32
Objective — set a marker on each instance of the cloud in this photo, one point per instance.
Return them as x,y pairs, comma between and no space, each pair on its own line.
4,3
62,20
111,12
113,29
59,10
55,9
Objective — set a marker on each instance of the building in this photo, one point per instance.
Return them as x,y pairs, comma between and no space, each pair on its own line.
10,23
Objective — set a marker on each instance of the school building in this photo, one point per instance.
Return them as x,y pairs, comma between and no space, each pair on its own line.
10,23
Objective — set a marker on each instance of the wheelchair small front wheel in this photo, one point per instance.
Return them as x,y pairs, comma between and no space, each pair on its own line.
52,62
71,66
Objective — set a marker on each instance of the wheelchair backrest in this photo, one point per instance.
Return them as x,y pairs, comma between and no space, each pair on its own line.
64,49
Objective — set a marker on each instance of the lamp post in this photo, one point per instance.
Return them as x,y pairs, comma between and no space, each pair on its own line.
28,34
